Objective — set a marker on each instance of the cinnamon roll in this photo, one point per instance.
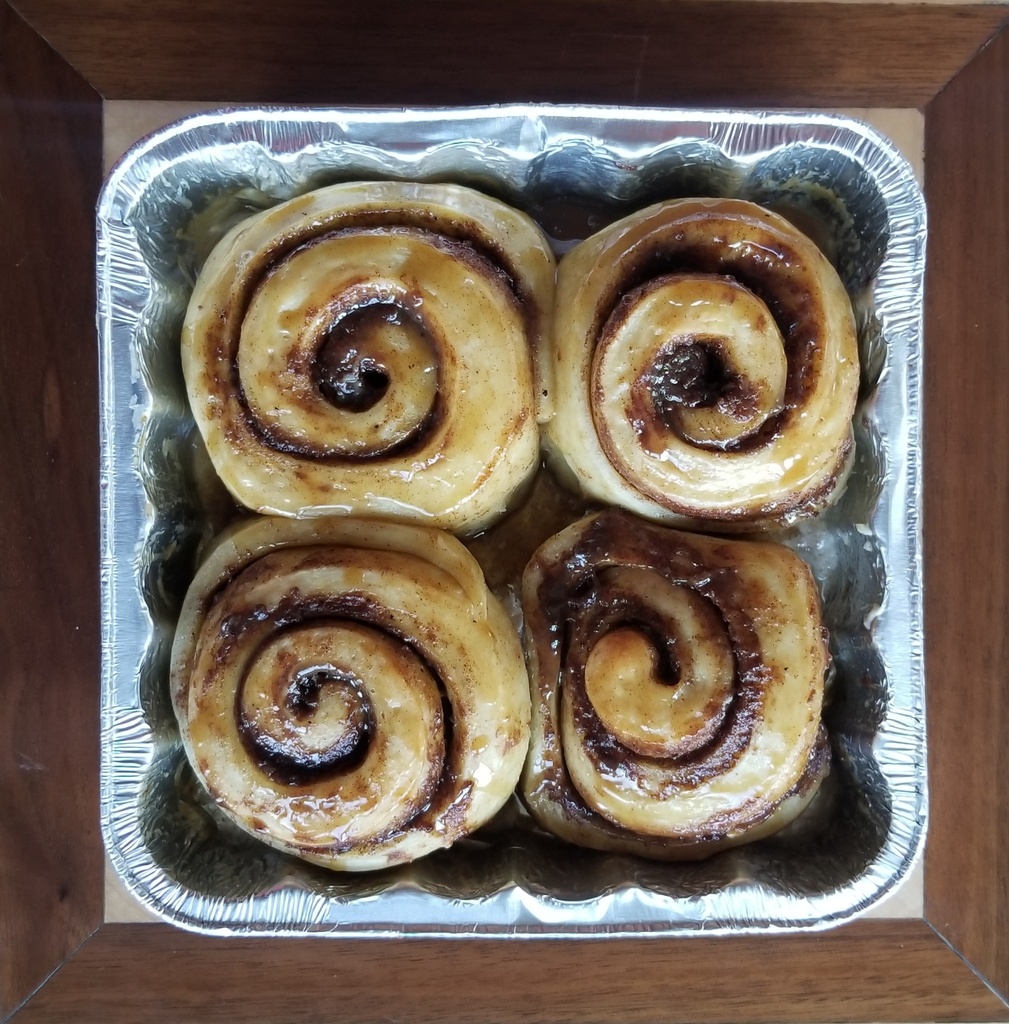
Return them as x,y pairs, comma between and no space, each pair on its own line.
706,367
348,691
373,349
677,688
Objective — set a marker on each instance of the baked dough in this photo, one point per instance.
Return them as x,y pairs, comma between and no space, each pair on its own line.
349,691
706,367
374,349
677,688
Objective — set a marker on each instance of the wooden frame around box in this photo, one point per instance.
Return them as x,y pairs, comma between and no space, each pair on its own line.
59,61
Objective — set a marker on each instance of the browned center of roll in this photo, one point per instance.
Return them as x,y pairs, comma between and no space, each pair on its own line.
297,721
682,672
691,375
345,374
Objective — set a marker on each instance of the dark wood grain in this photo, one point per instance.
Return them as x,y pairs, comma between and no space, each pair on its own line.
877,971
628,51
457,51
967,511
50,848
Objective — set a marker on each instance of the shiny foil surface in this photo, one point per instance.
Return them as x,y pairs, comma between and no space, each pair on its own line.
575,170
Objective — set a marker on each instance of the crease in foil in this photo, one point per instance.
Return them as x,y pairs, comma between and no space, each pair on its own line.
163,208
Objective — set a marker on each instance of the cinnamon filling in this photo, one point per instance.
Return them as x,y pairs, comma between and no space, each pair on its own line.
288,748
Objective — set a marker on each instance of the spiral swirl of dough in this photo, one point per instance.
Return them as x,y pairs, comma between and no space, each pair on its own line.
678,685
373,349
349,691
706,366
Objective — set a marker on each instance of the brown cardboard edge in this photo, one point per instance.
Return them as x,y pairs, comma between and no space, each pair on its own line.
878,947
966,511
867,971
50,846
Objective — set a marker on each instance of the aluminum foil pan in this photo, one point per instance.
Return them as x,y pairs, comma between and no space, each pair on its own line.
574,169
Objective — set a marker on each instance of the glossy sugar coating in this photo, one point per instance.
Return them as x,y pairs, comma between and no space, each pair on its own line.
706,367
376,349
349,691
677,688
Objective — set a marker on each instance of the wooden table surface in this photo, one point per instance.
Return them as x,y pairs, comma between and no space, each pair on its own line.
923,74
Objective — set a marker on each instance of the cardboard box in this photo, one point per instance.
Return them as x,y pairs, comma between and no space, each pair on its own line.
59,960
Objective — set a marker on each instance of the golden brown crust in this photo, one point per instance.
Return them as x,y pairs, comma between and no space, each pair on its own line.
349,691
707,366
341,351
678,687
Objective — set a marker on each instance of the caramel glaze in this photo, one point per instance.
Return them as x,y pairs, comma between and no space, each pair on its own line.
597,832
569,603
778,273
581,605
336,354
462,241
688,376
767,270
441,798
348,690
768,267
298,768
343,372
